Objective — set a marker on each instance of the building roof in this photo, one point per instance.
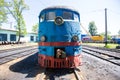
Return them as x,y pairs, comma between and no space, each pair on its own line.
8,30
32,33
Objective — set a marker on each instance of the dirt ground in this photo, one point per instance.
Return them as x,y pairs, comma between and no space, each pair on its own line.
97,69
26,68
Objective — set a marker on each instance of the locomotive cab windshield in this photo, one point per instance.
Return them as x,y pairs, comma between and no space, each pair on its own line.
52,15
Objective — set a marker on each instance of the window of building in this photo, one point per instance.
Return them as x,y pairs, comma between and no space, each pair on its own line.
67,15
3,37
50,16
36,38
12,37
22,36
32,38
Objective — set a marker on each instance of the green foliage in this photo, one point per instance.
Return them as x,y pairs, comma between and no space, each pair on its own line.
15,9
111,46
35,28
3,12
22,27
108,46
92,28
108,35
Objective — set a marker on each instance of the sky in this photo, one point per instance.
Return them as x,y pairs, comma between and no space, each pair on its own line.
90,10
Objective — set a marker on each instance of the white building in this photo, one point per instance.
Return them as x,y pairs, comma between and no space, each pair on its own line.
10,35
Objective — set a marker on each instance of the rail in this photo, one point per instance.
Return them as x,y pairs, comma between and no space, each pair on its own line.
111,57
11,55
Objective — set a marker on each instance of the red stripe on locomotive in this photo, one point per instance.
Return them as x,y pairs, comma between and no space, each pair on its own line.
59,43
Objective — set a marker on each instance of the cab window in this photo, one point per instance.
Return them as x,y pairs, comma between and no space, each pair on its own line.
50,16
42,18
67,15
76,18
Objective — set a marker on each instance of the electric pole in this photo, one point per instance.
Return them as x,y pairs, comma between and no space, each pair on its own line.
105,26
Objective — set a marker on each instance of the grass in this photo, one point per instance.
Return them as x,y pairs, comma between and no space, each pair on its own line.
109,45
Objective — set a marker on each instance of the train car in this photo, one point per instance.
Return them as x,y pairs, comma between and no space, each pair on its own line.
116,40
97,38
59,38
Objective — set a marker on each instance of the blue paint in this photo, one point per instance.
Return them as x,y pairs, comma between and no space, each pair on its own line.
59,33
70,50
55,33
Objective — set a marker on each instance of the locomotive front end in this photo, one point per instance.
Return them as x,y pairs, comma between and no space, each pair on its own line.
59,38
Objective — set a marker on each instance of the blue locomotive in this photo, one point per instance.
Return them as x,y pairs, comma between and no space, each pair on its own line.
59,38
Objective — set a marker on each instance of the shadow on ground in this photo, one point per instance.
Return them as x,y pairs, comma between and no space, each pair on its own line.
56,74
28,66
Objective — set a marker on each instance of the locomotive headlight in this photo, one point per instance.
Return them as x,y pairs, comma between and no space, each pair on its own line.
75,38
59,20
43,38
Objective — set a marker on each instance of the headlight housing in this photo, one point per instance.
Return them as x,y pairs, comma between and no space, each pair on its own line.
43,38
75,38
59,20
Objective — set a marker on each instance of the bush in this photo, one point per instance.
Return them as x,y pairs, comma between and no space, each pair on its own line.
108,46
117,47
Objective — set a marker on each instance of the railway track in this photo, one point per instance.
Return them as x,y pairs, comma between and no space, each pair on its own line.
13,49
16,53
112,57
61,74
102,48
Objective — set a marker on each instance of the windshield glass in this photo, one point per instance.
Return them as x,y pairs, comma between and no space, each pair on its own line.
42,17
76,18
67,15
50,16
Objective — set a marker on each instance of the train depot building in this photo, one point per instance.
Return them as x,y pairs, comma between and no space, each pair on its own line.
9,35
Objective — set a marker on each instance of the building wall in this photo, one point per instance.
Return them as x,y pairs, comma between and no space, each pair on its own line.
8,33
30,37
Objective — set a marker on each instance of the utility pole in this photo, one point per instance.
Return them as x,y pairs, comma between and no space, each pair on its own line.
105,26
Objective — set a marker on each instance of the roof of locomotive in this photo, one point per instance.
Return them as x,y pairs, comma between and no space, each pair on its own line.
60,7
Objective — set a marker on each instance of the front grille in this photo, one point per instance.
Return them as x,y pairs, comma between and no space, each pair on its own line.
51,62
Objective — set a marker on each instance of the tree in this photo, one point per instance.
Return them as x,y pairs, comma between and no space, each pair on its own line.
16,7
35,28
92,28
3,12
108,35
